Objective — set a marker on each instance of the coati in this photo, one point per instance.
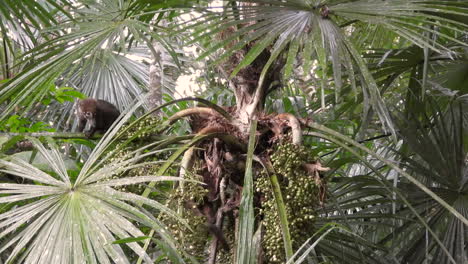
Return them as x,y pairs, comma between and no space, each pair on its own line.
99,113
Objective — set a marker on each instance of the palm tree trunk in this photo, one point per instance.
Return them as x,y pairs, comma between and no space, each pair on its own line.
155,87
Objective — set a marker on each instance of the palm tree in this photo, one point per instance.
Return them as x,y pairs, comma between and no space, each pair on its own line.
357,66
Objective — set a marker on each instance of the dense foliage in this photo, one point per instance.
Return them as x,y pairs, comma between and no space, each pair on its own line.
323,131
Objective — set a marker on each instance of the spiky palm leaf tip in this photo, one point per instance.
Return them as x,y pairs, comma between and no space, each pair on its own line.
56,219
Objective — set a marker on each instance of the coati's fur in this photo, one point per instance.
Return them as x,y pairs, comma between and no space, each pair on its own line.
99,113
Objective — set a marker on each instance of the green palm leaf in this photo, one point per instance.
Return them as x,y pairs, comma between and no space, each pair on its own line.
438,159
88,213
291,26
245,247
91,53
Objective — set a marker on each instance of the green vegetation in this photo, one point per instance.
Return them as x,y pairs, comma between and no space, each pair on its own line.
323,131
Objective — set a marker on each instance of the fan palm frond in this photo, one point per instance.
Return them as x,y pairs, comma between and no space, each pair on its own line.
437,157
77,219
22,21
95,28
311,30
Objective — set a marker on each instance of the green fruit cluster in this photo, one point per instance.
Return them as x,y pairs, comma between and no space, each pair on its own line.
120,154
192,238
190,191
227,256
300,196
144,129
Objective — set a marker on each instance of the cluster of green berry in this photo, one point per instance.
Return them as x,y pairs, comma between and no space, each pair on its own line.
227,256
192,238
300,195
145,128
119,155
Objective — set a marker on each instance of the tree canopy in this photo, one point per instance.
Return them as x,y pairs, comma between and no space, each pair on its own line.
323,131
